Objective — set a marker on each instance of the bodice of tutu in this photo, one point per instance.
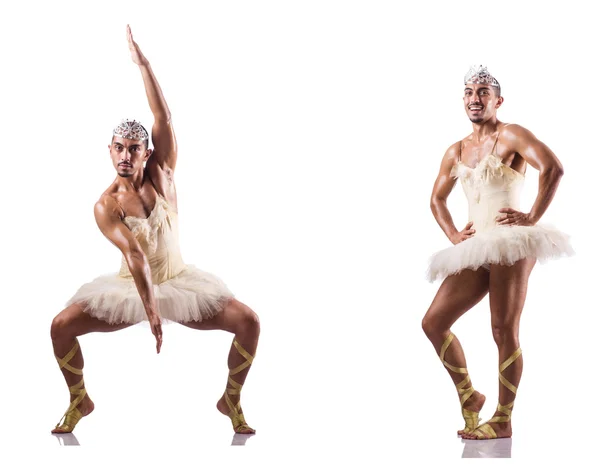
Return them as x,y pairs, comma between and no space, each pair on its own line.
489,186
158,236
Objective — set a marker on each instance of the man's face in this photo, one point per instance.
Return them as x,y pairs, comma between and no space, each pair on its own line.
481,102
128,155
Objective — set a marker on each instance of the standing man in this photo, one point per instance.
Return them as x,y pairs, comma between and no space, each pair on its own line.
138,214
498,248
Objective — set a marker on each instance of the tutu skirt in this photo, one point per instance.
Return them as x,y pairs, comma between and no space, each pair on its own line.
192,295
502,245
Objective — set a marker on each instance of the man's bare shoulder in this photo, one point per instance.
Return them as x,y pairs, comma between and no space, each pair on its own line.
510,131
453,151
107,206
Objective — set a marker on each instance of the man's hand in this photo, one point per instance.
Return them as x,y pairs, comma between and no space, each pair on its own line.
513,217
136,54
156,327
464,234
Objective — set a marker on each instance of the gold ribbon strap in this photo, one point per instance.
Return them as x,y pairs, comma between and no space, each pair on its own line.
237,418
471,417
64,362
503,367
249,358
507,408
72,415
465,392
458,370
485,431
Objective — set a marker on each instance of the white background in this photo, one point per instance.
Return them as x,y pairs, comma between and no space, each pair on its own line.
310,134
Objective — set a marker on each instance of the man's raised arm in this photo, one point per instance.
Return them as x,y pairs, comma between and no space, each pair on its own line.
163,136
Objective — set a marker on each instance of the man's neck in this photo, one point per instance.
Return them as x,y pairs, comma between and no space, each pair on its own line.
484,130
131,183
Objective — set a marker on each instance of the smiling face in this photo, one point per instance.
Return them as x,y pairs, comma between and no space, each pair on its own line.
128,155
481,102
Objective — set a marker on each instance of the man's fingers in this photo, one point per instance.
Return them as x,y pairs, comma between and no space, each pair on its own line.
158,337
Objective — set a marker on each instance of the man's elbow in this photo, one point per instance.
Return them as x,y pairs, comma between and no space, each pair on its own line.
554,171
164,117
135,257
435,202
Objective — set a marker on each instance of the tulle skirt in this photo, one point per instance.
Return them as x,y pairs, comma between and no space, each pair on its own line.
502,245
192,295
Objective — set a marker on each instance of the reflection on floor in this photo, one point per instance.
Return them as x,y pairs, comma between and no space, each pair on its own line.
66,439
498,448
239,439
69,439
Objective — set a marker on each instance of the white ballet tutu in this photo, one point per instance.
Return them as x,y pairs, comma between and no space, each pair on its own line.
192,295
502,245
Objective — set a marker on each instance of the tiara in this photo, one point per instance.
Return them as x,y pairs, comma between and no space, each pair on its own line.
480,75
131,129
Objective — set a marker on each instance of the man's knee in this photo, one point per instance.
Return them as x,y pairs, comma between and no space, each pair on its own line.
504,332
428,326
432,326
59,326
249,322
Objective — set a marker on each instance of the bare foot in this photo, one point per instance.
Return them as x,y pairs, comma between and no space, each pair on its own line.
85,408
502,429
474,403
223,408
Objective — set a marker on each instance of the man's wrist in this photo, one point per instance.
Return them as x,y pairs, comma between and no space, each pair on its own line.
532,218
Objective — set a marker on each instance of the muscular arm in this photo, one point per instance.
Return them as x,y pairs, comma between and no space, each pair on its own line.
441,190
163,135
538,155
108,218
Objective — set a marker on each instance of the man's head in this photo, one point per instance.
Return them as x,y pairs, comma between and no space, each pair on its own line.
482,94
129,147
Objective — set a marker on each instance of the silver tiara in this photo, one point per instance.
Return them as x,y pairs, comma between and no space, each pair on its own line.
480,75
131,129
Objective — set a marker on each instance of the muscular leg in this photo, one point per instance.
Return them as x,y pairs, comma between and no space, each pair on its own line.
66,327
240,320
508,290
457,294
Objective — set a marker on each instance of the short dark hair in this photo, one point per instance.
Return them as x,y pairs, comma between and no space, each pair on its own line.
497,89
